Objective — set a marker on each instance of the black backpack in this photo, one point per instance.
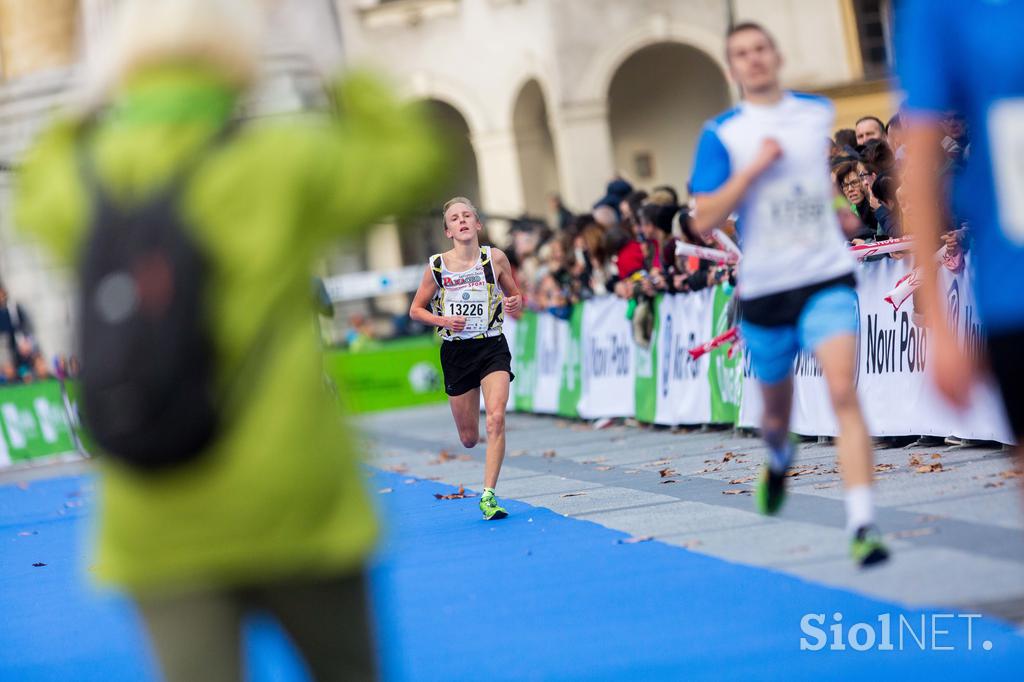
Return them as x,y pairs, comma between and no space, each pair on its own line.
147,366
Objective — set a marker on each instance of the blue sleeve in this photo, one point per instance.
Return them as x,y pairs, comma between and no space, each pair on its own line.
923,55
711,166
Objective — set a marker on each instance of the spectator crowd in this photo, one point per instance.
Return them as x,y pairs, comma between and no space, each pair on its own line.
21,360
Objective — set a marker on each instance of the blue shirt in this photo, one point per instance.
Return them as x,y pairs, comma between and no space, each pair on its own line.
789,232
968,56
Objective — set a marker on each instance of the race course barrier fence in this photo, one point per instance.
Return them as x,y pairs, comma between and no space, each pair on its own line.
590,367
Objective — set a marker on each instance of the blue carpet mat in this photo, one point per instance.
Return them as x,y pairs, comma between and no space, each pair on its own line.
533,597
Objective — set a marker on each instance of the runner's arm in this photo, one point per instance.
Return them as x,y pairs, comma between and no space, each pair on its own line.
954,372
419,310
513,300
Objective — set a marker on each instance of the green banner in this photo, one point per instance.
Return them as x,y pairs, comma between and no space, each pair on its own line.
390,375
647,372
724,373
525,362
570,389
34,422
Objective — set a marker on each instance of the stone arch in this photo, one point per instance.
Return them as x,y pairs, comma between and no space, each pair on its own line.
606,63
535,147
658,99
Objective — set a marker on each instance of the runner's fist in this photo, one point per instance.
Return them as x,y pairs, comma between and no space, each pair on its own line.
769,153
513,304
454,322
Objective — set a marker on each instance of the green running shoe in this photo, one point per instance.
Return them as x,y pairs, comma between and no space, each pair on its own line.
489,507
771,491
867,548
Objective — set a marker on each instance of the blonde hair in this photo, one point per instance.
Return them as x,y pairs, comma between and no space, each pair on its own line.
224,34
457,200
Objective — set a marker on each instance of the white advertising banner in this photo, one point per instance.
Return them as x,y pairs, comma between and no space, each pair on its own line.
552,346
508,328
608,360
684,393
895,387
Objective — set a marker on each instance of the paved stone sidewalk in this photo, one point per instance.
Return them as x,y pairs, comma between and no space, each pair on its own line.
957,532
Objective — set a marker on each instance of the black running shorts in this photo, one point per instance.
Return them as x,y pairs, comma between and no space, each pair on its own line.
1007,360
465,362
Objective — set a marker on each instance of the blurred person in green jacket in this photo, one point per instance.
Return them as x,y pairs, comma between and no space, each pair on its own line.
273,515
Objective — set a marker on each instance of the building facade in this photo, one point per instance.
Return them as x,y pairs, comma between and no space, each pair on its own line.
540,97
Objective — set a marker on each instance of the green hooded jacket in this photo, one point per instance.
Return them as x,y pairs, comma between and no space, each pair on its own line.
280,493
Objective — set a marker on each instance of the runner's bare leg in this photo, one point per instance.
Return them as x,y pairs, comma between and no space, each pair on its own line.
466,411
495,387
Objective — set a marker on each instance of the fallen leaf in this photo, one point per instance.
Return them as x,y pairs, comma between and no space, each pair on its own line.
913,532
635,539
1012,473
997,484
670,480
464,458
602,468
573,494
822,486
915,461
38,564
929,468
736,491
745,479
548,454
459,495
800,471
597,460
665,473
936,456
385,490
884,467
397,468
728,456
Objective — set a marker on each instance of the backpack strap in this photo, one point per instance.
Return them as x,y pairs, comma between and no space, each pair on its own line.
488,265
435,269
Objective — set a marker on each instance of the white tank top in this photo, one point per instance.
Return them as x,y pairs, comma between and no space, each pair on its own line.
474,294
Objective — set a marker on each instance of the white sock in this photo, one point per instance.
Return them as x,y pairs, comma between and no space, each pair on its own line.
488,490
860,508
779,460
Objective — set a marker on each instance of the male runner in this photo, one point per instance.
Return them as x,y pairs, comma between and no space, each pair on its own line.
983,79
465,293
766,159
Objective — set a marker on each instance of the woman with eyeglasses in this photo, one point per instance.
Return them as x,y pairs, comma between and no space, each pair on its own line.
850,177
